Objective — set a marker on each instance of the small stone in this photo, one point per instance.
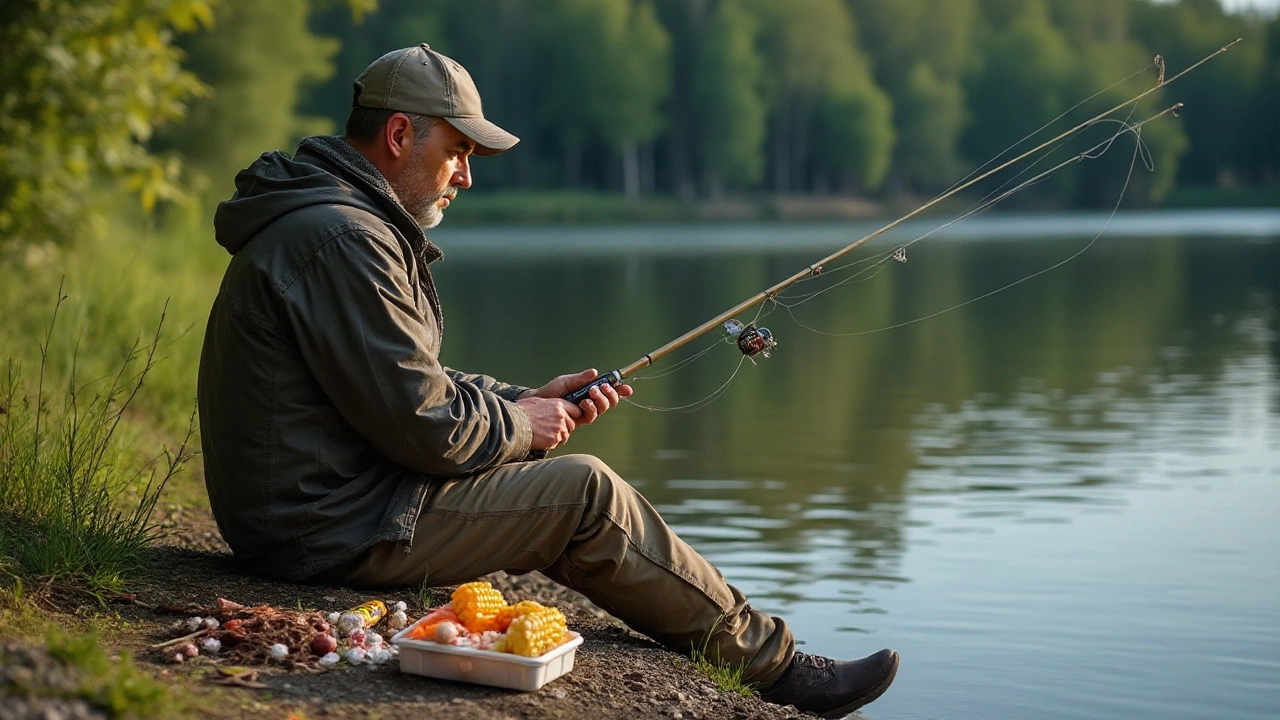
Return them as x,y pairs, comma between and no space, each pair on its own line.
681,697
558,694
397,620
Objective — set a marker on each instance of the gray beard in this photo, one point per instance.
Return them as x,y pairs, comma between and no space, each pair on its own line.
427,212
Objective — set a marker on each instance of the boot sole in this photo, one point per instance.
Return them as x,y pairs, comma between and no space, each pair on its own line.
867,699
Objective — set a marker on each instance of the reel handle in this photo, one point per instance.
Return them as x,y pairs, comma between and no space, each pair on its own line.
613,377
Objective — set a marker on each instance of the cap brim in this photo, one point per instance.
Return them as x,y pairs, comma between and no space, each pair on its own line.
490,139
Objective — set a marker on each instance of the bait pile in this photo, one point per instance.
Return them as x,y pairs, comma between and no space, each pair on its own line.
295,639
479,617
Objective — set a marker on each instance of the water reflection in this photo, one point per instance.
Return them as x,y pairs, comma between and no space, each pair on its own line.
1075,480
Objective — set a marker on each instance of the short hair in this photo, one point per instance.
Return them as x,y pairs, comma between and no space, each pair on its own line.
364,123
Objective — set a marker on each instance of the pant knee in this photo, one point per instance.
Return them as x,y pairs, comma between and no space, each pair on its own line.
603,490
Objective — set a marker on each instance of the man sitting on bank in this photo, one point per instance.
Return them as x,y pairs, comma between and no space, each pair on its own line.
338,449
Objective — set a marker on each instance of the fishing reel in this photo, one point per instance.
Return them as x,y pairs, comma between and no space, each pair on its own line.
752,341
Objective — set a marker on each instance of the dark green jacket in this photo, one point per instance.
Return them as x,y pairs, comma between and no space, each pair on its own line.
324,410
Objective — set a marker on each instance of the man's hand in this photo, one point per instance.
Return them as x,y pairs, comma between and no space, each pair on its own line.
554,419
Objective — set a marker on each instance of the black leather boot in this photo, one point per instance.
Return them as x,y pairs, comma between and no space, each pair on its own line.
833,688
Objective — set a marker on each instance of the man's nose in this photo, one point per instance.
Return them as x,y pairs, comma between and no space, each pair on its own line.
462,174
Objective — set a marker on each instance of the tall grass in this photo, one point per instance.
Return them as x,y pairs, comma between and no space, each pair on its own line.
76,497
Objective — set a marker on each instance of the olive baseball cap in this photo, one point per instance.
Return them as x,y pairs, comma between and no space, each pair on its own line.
420,80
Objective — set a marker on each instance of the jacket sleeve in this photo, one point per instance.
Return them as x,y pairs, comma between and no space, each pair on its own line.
353,314
503,390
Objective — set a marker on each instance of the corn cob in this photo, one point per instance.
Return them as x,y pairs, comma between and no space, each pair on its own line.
534,632
477,605
511,612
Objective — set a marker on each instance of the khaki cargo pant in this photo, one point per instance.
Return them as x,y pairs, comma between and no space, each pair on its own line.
583,526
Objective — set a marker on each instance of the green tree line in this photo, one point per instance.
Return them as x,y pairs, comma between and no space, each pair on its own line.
694,99
700,98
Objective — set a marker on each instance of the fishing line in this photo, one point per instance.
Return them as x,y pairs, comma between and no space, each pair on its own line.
993,197
715,395
753,341
1157,63
1002,288
1141,152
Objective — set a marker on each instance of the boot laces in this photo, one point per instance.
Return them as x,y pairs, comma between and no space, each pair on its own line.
815,661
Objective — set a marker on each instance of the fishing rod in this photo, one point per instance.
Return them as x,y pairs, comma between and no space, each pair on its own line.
753,341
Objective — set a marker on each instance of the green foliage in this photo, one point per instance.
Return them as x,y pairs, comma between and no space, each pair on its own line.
654,96
727,102
921,51
83,86
257,59
76,502
1218,116
1020,81
821,86
116,687
609,82
931,115
726,675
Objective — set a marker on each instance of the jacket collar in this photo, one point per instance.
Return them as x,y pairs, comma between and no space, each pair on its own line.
357,169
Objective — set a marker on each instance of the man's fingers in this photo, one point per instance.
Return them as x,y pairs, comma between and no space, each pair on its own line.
590,411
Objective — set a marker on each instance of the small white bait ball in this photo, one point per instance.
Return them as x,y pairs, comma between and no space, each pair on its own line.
356,655
194,624
397,620
210,623
379,656
399,607
211,645
177,658
372,640
446,633
279,652
329,659
350,622
333,618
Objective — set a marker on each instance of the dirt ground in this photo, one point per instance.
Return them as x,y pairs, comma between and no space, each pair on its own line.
617,673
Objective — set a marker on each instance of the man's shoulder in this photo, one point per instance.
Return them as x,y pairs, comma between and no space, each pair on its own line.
317,236
306,229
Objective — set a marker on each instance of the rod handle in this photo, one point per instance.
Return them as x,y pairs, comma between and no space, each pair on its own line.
613,377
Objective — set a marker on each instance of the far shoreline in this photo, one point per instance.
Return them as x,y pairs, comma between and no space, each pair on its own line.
575,207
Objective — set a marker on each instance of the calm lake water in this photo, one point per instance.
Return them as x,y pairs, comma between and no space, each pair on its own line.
1059,501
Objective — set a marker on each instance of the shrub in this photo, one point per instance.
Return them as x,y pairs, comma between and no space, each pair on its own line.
76,501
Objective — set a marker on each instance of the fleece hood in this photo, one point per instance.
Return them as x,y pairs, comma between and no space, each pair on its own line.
324,171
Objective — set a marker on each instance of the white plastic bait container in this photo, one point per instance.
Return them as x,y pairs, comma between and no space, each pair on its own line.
484,667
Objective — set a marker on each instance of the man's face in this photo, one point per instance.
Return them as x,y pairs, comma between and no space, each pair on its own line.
438,166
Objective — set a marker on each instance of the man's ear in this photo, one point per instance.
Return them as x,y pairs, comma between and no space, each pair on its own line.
397,135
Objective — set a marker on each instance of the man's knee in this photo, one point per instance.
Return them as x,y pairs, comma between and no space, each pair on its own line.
602,488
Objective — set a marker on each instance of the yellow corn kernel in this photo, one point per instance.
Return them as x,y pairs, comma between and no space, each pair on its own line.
511,612
477,605
535,632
